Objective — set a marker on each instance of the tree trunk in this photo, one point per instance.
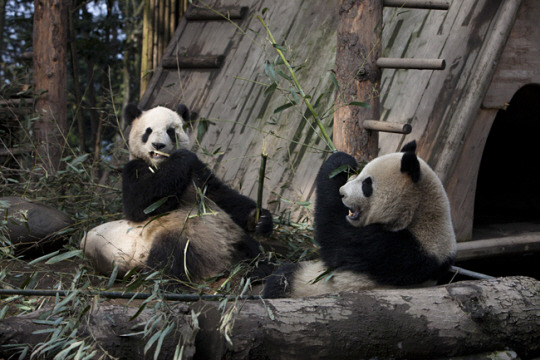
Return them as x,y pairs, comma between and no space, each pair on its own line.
458,319
50,79
358,48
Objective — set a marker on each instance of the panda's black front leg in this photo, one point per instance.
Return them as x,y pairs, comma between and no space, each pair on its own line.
144,185
330,213
240,208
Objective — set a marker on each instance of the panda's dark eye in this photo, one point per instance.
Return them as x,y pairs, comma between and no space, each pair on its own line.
146,135
172,134
367,187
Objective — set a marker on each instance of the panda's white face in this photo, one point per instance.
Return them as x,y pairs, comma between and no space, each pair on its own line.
155,131
381,194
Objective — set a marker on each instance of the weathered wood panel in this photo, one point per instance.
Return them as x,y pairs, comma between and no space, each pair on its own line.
241,116
519,64
232,100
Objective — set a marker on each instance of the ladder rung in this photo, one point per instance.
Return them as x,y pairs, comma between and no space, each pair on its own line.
418,4
386,126
193,62
203,14
407,63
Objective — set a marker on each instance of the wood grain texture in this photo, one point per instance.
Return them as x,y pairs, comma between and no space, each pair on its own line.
441,106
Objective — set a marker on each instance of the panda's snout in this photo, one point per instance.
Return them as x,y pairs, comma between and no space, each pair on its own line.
158,146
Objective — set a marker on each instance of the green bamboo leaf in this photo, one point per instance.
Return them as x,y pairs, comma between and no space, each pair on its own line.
44,257
294,96
343,168
113,276
155,205
270,89
269,71
359,103
334,80
283,107
160,341
151,341
280,47
64,256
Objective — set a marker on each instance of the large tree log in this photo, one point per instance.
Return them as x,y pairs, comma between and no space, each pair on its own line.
111,327
458,319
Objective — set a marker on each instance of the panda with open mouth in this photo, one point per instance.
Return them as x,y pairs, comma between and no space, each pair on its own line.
387,227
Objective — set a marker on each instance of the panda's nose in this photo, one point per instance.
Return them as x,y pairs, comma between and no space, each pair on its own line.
158,146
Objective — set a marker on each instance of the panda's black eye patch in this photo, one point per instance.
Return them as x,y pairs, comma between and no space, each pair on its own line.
367,187
146,135
172,134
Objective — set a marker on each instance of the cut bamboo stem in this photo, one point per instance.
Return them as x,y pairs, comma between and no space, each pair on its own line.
262,172
419,64
385,126
418,4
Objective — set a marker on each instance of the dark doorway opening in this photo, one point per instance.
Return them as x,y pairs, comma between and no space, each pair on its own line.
508,187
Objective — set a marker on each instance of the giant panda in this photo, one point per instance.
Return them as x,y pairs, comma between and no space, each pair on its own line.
179,217
387,227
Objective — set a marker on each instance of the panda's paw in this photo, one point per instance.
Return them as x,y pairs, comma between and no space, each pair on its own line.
264,226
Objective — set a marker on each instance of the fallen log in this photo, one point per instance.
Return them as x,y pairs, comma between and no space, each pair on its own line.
463,318
459,319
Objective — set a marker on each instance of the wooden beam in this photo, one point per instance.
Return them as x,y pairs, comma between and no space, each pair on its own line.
418,64
193,62
225,13
385,126
358,48
528,242
418,4
487,60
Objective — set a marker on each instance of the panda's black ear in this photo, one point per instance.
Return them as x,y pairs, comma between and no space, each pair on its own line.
183,111
131,112
410,165
409,147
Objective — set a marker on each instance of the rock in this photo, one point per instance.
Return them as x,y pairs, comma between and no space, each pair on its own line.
32,226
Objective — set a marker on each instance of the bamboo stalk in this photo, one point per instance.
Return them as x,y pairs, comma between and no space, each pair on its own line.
262,172
299,88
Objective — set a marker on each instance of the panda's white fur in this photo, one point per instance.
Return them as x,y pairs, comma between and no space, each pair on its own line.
387,227
126,244
162,119
423,209
180,235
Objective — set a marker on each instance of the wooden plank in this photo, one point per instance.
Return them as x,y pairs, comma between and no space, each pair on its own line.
418,4
462,182
220,13
192,62
411,64
516,244
515,71
386,126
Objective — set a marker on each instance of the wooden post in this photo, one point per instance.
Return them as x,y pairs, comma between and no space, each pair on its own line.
358,48
50,79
